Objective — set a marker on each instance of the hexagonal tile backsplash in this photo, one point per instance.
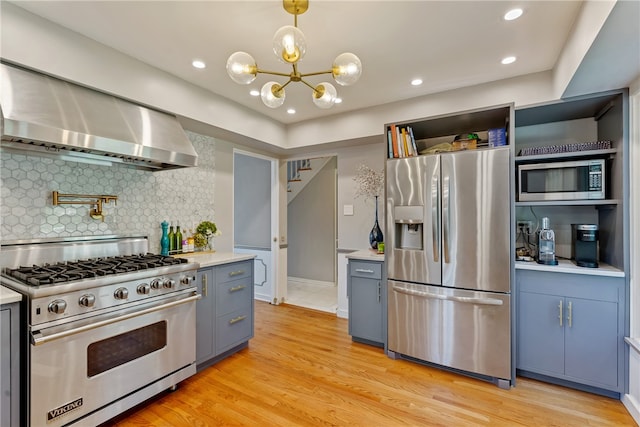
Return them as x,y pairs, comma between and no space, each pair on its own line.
145,199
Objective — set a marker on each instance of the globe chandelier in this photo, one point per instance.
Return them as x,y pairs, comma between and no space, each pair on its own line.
289,46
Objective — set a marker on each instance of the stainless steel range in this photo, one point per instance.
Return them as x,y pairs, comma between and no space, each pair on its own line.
108,324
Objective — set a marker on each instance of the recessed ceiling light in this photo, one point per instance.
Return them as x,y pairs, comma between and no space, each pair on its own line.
338,101
513,14
254,92
508,60
416,82
198,63
291,111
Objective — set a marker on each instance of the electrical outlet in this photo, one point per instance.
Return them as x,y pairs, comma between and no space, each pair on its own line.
521,223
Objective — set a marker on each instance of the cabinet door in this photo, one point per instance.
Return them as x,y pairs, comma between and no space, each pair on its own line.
365,309
233,329
540,333
233,295
5,368
205,315
591,342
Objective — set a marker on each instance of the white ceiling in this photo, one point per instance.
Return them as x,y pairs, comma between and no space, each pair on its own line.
449,44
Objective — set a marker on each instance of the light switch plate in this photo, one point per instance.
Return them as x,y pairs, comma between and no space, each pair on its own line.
347,210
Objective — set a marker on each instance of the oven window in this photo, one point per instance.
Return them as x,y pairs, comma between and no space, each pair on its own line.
115,351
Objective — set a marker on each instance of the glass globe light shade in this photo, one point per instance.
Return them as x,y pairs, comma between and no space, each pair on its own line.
242,68
272,94
289,44
324,95
347,69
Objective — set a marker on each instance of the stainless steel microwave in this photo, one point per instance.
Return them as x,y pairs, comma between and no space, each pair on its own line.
575,180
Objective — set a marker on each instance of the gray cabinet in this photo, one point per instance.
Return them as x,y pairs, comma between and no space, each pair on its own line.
570,328
10,364
234,305
224,315
367,302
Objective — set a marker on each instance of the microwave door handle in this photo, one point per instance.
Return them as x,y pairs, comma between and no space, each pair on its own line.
435,217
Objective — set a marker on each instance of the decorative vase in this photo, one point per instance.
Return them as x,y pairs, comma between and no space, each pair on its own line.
376,236
210,243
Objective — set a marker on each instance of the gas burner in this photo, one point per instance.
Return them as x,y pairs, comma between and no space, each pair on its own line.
48,274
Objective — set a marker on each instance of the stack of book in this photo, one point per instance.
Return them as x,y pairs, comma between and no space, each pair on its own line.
401,142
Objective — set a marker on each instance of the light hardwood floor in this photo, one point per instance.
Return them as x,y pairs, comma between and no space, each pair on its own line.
302,369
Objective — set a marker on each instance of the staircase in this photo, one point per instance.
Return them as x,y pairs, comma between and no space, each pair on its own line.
300,173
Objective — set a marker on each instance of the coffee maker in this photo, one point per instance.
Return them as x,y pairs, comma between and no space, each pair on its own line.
584,244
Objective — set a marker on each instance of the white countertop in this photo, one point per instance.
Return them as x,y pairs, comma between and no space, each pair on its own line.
8,296
366,255
208,259
568,266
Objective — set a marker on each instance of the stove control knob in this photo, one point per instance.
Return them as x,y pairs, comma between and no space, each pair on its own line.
144,289
168,283
188,280
121,293
58,306
155,284
87,300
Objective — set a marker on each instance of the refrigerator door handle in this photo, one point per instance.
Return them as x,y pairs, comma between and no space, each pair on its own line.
435,213
446,200
468,300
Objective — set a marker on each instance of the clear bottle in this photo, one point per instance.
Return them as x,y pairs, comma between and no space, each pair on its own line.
191,241
546,244
178,238
172,240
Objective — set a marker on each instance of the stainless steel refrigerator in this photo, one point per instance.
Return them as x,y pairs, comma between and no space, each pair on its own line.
448,261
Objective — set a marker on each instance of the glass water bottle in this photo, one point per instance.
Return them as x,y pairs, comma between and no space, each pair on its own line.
546,244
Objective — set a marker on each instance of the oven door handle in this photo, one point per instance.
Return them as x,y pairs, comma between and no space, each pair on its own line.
38,338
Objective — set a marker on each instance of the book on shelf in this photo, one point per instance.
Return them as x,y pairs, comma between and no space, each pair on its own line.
401,142
406,146
394,141
413,141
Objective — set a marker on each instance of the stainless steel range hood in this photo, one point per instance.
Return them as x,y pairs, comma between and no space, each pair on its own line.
51,117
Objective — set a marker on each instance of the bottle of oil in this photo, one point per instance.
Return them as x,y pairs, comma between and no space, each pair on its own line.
172,240
178,238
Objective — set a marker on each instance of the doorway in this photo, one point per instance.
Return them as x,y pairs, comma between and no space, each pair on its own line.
255,207
312,232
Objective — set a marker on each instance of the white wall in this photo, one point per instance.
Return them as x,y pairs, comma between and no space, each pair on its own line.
591,19
311,228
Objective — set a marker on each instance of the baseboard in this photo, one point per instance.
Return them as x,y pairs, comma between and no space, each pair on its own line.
342,313
633,406
309,281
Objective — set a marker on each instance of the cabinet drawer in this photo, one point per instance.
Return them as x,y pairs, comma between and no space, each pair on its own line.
372,270
233,329
234,271
234,295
